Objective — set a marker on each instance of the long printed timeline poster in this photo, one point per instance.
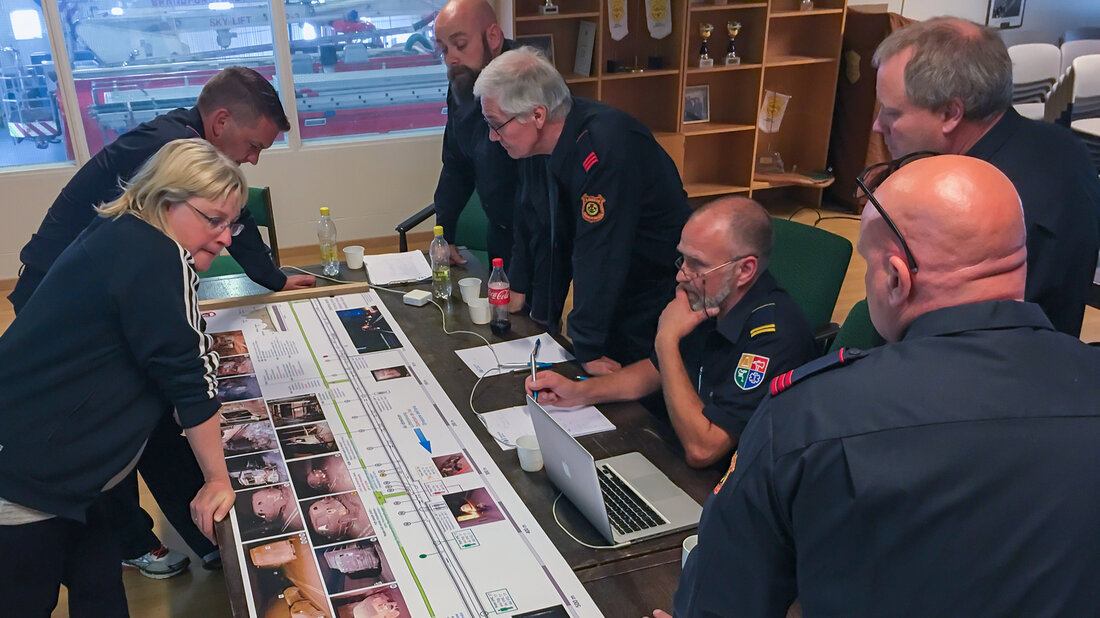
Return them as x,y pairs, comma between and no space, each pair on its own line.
361,491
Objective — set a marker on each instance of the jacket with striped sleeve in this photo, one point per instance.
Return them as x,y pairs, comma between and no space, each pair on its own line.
109,342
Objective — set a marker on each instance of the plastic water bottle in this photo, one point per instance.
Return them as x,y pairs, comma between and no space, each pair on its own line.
441,265
326,237
500,293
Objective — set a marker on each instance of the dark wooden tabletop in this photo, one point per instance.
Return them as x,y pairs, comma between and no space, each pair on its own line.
630,581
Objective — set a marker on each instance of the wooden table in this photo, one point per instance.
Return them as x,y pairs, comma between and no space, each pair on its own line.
627,582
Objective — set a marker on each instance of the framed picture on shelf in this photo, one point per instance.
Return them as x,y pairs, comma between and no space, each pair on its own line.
1005,14
542,42
697,104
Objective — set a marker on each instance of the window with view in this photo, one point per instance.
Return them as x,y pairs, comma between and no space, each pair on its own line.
30,104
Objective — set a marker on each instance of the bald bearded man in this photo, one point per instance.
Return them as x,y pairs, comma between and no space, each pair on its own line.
950,472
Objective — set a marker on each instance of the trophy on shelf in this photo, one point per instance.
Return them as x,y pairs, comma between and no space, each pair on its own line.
705,61
806,5
732,28
549,8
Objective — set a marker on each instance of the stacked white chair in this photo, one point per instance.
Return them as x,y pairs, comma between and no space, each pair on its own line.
1072,50
1085,107
1035,68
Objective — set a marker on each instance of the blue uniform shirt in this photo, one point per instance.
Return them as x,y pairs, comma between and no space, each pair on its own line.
951,474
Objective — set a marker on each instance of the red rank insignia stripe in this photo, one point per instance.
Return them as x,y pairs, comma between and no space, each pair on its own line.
589,161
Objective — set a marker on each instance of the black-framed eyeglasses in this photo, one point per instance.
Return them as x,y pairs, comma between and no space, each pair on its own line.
679,263
870,180
217,223
497,129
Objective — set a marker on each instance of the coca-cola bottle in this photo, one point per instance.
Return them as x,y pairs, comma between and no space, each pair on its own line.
499,295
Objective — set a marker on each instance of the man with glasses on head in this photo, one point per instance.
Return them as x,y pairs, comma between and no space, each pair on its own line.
613,201
951,472
239,113
468,37
712,372
945,85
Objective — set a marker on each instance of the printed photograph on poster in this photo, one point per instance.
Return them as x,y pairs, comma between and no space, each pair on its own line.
318,476
1005,14
295,410
542,42
337,518
268,511
237,388
284,580
368,330
389,373
384,603
450,465
473,507
235,366
229,343
353,566
306,440
697,104
248,438
247,411
256,470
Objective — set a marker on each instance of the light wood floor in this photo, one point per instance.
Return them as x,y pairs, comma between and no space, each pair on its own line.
202,593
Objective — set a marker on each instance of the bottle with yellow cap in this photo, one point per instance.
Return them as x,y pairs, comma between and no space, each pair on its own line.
441,265
326,237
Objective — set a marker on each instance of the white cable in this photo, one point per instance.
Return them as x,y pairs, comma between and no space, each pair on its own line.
554,510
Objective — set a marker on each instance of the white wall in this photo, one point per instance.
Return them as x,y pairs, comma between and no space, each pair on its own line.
1044,20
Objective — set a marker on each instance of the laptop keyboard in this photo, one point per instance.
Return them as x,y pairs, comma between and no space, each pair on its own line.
625,509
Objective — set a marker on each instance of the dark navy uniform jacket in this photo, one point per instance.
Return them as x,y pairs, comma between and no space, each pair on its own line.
730,361
953,473
471,160
619,208
1060,193
97,182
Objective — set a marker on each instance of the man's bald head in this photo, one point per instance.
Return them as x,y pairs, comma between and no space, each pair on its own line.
746,225
468,36
962,219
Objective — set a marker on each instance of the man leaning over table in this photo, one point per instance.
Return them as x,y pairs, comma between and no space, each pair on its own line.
728,330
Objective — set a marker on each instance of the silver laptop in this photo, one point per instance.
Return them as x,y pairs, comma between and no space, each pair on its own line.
625,497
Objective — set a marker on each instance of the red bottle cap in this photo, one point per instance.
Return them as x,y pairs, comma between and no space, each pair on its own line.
498,262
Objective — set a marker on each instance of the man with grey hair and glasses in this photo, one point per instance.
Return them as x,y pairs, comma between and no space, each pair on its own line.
614,209
945,85
712,373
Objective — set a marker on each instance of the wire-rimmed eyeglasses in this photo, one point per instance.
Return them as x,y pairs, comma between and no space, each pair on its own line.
868,181
691,276
217,223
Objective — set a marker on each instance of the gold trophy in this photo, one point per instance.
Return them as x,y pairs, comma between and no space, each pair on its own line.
705,61
549,8
732,28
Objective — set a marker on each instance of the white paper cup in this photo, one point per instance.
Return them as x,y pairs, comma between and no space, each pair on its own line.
480,312
689,544
530,457
470,288
353,255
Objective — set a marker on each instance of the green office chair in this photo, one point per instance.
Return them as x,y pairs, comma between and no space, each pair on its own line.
810,264
472,229
857,330
259,206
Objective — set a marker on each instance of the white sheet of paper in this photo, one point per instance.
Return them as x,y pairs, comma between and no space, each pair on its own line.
517,351
510,423
397,267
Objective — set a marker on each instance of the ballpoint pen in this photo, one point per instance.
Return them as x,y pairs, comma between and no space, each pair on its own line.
534,355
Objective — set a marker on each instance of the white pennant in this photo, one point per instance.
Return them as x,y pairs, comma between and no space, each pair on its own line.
616,19
658,16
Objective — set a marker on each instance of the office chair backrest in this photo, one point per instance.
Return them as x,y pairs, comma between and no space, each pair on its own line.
857,330
810,264
1074,49
1035,67
1086,87
472,229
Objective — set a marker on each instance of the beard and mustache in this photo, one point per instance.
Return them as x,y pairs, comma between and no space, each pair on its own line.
700,301
462,77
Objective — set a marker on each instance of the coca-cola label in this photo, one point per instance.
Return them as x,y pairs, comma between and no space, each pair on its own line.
499,296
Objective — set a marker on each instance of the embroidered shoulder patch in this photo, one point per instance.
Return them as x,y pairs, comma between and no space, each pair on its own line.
592,208
750,371
733,464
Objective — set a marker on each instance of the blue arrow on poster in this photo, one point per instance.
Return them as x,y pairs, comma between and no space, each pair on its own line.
423,441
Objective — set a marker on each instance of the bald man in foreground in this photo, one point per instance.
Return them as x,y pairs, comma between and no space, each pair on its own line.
951,472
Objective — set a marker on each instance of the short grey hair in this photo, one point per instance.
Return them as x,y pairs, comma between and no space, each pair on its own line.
522,79
749,225
951,62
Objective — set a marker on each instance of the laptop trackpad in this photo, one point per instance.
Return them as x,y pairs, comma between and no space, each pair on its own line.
655,487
